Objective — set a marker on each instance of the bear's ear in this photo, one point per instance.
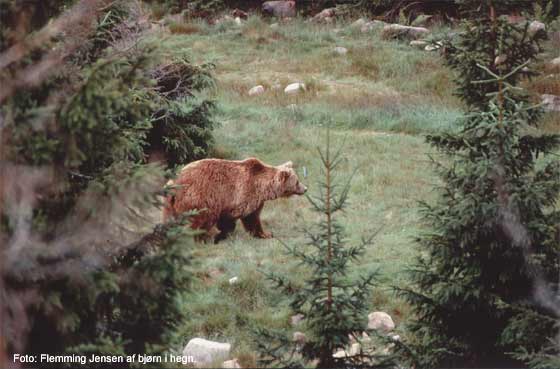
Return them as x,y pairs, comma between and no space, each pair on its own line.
288,164
284,175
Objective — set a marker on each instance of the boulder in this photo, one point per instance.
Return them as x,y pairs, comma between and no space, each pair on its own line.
398,31
233,364
341,50
380,321
257,90
294,88
551,102
325,15
359,23
280,9
206,352
373,25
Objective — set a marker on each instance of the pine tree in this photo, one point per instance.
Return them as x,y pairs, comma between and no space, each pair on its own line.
334,306
85,105
482,289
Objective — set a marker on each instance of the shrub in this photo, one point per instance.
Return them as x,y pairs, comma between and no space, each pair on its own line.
85,107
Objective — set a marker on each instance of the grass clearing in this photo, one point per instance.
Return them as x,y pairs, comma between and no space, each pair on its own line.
380,99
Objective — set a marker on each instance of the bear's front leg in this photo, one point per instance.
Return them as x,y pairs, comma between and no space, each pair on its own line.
226,226
252,224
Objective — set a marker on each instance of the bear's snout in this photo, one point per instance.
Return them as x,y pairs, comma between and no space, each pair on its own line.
301,189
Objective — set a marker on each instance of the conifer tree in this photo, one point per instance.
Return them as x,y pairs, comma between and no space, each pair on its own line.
482,290
334,306
84,106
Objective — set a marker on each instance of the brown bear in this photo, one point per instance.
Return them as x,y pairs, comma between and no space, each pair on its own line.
223,191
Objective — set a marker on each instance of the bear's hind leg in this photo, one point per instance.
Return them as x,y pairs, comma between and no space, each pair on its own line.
226,226
252,224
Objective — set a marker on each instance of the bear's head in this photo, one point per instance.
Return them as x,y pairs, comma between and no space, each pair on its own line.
287,181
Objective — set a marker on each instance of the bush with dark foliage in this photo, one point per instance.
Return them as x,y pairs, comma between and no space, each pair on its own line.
483,290
84,107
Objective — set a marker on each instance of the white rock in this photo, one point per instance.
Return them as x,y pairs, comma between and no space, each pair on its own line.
551,102
555,61
274,25
257,90
206,352
418,43
380,321
233,280
400,31
340,354
296,319
238,21
536,26
432,47
341,50
233,364
294,88
355,349
500,59
396,337
299,337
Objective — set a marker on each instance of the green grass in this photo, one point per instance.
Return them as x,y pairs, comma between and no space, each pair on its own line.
380,99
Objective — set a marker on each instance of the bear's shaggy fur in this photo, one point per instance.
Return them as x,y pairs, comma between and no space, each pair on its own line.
223,191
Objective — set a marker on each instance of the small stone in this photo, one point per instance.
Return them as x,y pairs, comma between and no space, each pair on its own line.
398,31
536,26
380,321
296,319
257,90
326,15
500,59
551,102
239,14
233,280
274,25
299,337
418,43
396,337
294,88
355,349
238,21
555,62
341,50
206,352
233,364
339,354
433,47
